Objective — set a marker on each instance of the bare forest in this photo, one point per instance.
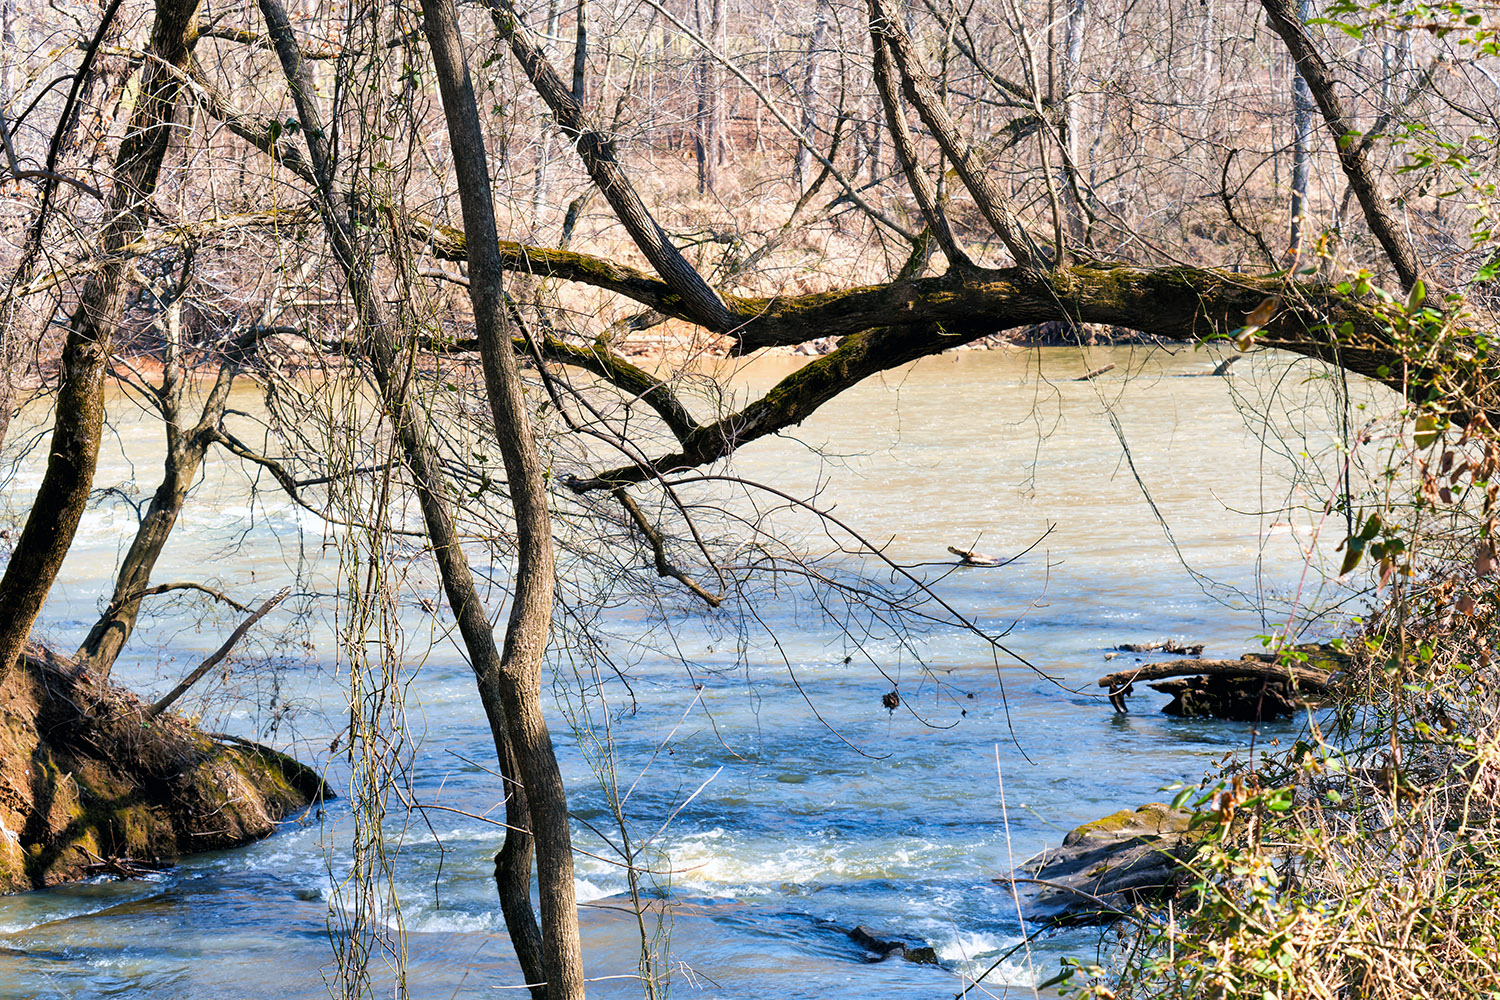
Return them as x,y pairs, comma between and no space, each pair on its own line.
479,263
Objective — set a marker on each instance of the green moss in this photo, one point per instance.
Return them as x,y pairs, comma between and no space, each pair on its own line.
1151,820
87,782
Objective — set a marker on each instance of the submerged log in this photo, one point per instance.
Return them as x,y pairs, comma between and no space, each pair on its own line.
1254,687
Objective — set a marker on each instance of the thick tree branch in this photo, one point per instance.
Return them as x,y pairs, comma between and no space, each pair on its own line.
906,151
598,155
1353,154
791,401
267,134
992,204
638,383
244,36
1187,304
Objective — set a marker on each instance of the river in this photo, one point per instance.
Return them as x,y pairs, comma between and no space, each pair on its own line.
817,808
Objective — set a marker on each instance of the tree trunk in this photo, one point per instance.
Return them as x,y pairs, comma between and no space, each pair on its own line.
1071,116
87,79
185,449
810,82
8,340
1302,127
518,678
581,53
597,152
511,703
1353,155
708,137
69,476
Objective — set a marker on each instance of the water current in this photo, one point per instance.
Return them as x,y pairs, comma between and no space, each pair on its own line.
817,808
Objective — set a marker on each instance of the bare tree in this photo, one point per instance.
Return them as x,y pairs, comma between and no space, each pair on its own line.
49,530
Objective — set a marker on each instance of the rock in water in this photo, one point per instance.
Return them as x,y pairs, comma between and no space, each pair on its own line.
879,948
1106,867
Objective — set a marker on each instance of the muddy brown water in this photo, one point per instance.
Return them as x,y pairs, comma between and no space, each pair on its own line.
816,808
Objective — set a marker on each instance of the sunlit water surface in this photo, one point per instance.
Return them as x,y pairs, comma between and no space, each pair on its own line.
819,809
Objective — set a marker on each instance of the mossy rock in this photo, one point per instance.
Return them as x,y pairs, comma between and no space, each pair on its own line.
1155,819
1107,866
88,780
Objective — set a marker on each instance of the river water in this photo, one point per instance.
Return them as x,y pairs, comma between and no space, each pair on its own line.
778,801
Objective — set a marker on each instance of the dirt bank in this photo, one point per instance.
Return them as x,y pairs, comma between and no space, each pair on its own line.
88,783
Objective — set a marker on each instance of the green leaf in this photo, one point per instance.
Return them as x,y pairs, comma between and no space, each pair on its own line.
1353,556
1426,431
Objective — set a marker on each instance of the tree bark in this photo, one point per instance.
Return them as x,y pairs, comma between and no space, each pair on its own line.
906,153
71,461
520,669
810,80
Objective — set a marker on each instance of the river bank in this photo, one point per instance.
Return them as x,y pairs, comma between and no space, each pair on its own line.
91,783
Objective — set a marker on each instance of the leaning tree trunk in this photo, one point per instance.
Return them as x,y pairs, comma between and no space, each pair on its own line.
519,678
511,700
89,78
74,453
186,446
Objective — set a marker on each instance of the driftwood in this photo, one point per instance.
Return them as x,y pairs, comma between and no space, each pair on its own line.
972,558
1096,373
193,678
1307,680
1189,668
1162,646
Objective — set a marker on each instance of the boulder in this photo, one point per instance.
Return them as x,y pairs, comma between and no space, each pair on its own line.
1105,868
